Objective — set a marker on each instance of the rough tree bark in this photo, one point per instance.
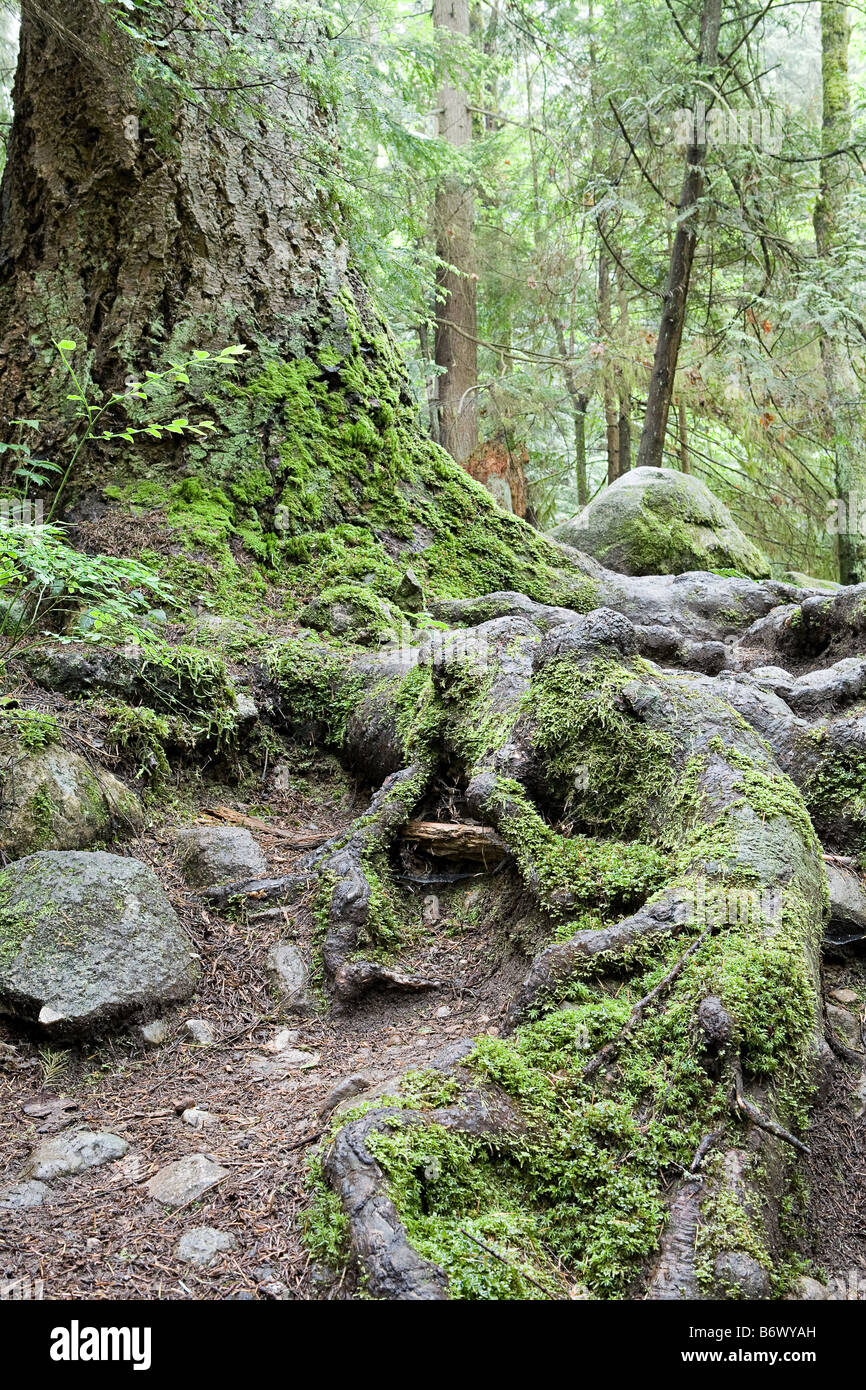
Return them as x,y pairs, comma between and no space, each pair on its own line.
141,224
652,440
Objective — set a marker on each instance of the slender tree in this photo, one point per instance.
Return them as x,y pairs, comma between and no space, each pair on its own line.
652,442
830,240
456,349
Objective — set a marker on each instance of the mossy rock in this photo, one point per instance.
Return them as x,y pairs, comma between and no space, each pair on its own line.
659,521
809,581
354,612
88,940
51,798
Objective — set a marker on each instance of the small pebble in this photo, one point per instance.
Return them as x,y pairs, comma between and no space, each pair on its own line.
198,1119
200,1031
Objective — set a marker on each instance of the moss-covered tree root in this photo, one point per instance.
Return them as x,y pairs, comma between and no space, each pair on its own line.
617,786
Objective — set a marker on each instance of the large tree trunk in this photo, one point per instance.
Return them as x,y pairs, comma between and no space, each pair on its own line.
652,441
139,223
456,350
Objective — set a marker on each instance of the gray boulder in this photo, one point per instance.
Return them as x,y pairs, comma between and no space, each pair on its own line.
847,904
213,854
88,939
741,1272
19,1195
660,521
75,669
289,976
53,799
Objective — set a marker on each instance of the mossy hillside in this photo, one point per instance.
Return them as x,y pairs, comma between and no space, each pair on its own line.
322,473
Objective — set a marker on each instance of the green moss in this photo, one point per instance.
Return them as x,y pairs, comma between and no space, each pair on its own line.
143,734
583,1188
609,769
675,530
319,467
355,612
33,729
575,873
836,797
18,916
318,687
41,810
191,683
728,1225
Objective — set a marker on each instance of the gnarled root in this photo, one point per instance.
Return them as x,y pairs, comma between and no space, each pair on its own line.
745,893
393,1267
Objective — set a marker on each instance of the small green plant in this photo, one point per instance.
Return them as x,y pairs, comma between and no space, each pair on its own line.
32,728
91,413
53,1064
41,575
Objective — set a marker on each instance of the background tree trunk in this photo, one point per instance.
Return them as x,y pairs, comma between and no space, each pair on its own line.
611,409
624,392
652,441
456,348
579,402
830,242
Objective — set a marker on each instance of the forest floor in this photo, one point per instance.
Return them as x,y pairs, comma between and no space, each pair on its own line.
100,1235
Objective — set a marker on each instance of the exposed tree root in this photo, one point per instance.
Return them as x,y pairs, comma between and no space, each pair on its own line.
751,1111
606,1056
394,1269
508,727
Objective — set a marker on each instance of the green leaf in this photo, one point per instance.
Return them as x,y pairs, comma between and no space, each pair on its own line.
66,345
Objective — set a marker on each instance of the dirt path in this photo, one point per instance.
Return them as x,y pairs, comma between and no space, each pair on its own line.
835,1217
100,1235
